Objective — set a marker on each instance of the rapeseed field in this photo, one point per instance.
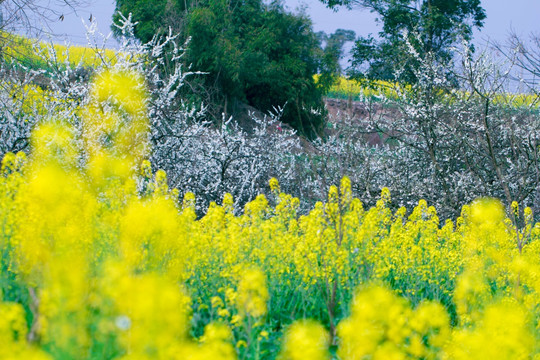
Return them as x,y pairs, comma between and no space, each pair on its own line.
101,260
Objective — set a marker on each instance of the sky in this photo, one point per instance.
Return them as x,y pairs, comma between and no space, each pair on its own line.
503,16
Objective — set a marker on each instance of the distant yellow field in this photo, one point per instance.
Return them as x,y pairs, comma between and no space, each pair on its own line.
378,90
31,51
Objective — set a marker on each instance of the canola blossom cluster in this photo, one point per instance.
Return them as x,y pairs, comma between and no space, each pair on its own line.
101,260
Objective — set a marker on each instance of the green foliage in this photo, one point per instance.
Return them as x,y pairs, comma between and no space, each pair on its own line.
330,68
430,26
253,53
149,16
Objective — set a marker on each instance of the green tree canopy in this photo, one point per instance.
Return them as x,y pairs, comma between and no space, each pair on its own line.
253,52
331,53
432,26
